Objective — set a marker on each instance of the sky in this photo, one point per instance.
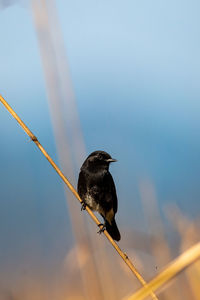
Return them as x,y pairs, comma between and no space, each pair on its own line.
135,71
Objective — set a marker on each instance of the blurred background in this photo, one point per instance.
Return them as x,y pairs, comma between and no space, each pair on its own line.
119,76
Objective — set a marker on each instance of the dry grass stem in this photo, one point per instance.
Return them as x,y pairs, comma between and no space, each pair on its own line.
178,265
66,181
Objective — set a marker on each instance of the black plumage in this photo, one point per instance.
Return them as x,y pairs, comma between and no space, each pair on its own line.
97,189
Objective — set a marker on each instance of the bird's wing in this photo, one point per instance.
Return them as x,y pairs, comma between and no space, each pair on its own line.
109,182
81,187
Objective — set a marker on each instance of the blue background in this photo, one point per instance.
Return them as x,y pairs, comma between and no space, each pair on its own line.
135,70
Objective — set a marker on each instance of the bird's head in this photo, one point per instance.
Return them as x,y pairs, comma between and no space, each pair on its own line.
98,160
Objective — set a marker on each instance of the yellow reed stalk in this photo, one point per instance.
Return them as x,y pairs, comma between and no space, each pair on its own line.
175,267
193,277
66,181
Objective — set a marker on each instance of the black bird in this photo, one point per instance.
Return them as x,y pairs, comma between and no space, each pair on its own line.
97,189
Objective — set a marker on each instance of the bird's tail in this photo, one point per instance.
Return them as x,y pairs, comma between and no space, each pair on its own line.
113,230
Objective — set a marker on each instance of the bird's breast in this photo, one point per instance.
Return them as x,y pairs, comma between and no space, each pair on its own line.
93,205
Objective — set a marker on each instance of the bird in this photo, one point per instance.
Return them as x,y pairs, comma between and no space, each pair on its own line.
96,189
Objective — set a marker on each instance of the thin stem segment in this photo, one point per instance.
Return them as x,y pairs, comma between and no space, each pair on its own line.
66,181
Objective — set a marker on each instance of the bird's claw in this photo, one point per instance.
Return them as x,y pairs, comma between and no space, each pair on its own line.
101,228
83,205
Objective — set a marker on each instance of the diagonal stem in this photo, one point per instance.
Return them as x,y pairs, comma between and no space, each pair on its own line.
66,181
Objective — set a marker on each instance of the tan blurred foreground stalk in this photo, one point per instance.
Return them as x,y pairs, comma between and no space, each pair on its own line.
35,140
68,136
175,267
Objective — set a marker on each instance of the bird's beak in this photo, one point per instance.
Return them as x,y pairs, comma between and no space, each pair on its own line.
111,160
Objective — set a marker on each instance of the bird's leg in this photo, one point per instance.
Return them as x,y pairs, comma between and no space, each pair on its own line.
102,227
83,205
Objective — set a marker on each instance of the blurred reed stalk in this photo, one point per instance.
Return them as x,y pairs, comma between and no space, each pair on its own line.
174,268
189,234
59,89
160,249
66,181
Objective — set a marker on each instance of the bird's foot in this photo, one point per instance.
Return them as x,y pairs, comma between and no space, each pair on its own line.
83,205
102,228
